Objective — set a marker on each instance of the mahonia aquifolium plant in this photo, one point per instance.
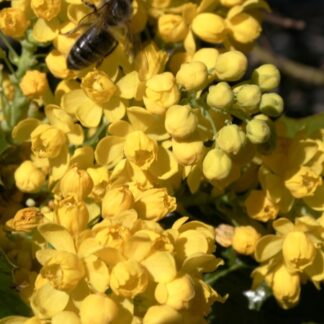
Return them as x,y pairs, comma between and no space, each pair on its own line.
96,162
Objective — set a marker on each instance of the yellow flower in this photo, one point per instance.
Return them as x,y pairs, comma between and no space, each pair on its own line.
154,204
128,279
267,77
231,66
161,314
98,309
64,270
260,207
77,183
231,3
28,177
208,56
231,139
117,200
216,165
161,92
13,22
298,251
100,179
245,239
302,182
25,219
220,96
34,84
98,87
258,131
71,214
46,9
56,63
188,151
209,27
247,98
271,104
180,121
177,293
192,76
172,28
243,27
47,141
140,149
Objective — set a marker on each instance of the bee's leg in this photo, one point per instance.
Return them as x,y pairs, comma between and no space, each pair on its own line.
90,5
75,29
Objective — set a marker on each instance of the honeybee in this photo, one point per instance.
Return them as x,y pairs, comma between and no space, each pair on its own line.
99,40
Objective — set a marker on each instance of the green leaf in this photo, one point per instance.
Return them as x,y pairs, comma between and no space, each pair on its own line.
3,142
10,301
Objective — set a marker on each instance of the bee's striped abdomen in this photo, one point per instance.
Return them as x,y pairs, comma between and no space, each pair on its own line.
93,45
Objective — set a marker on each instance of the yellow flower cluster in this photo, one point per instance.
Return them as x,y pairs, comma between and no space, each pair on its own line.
114,143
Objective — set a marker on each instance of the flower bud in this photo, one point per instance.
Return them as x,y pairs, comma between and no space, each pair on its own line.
172,28
128,278
208,56
77,183
25,220
169,293
154,204
98,87
244,28
217,165
72,214
209,27
180,121
161,92
231,66
116,201
247,98
245,239
98,309
188,152
271,104
64,270
29,178
220,96
34,84
266,76
231,139
298,251
13,22
47,141
140,149
192,76
46,9
258,131
162,314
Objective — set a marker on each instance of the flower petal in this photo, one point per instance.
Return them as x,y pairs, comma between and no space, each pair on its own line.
267,247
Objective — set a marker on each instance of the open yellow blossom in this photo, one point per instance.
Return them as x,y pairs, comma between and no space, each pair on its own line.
46,9
47,141
34,84
13,22
261,207
128,279
25,219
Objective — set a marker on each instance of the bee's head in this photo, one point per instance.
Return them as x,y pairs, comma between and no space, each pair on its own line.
122,9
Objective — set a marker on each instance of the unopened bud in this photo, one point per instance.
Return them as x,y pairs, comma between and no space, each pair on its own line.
231,139
231,66
271,104
258,131
267,77
247,98
220,95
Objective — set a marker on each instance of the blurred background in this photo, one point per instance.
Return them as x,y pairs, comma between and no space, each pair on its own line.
293,39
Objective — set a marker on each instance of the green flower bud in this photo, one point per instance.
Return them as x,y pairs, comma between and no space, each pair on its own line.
231,139
247,97
271,104
220,95
231,66
217,165
267,77
258,131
